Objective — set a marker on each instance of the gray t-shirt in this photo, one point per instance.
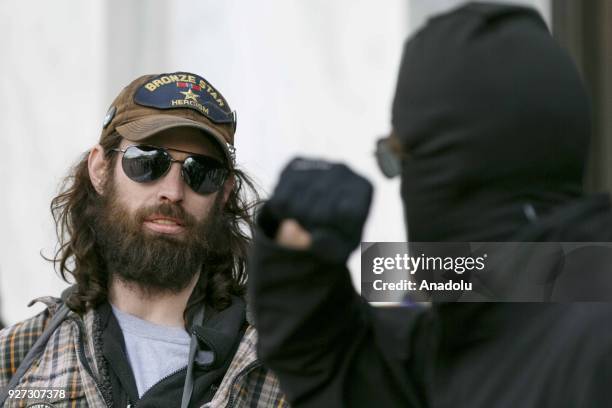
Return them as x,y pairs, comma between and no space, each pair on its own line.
154,351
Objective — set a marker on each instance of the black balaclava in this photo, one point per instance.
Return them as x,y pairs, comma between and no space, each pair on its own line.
495,122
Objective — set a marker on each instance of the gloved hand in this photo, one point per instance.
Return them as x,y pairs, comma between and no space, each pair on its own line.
329,200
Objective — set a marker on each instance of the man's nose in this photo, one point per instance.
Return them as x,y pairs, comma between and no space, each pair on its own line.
172,186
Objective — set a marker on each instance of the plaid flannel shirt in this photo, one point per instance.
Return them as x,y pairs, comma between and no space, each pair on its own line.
70,359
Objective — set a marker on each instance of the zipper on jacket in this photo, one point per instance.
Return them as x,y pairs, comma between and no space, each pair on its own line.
83,358
250,367
134,405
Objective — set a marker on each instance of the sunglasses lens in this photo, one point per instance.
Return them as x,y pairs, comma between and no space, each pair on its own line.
388,162
203,174
145,163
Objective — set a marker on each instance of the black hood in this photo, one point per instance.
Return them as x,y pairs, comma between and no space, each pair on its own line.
495,122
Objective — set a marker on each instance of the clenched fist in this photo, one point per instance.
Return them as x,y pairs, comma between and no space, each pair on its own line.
328,200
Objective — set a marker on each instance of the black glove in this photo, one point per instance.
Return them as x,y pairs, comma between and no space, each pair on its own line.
328,200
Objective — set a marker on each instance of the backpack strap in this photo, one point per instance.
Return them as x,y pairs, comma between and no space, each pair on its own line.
35,351
193,348
39,346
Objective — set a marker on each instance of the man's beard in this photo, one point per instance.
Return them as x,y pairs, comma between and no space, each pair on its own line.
152,262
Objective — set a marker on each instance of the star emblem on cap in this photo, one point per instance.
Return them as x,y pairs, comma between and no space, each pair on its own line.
189,95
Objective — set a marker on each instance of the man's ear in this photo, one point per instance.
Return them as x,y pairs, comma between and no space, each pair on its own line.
97,165
228,187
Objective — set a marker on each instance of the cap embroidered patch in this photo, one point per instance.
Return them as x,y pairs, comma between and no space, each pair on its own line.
184,90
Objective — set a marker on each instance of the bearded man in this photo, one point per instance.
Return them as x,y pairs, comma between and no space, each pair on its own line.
153,232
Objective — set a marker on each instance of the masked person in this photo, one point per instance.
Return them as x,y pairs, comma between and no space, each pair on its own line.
152,225
491,123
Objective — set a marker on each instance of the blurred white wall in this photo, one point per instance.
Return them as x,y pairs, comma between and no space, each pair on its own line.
51,98
313,78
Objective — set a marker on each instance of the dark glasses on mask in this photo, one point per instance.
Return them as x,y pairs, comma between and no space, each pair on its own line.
143,163
389,155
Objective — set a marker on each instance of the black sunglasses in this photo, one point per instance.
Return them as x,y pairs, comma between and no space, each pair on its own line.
144,163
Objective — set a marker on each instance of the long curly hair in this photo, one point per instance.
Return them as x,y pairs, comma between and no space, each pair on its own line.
78,260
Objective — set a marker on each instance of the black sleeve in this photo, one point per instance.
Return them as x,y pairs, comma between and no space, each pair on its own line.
328,347
597,391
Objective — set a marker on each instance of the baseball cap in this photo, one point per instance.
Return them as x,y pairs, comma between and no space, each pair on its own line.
153,103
